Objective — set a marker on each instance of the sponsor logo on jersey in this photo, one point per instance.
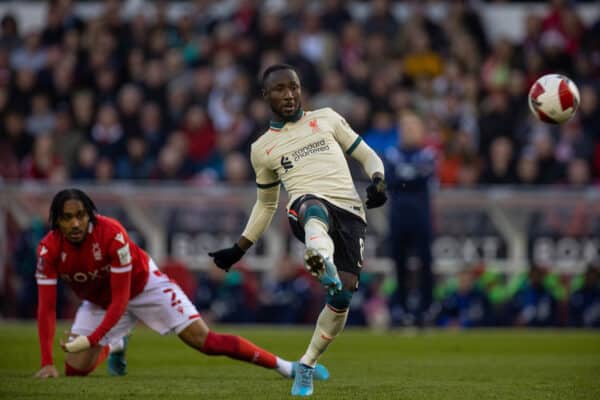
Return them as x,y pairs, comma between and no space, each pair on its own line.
120,238
309,149
286,163
83,277
97,251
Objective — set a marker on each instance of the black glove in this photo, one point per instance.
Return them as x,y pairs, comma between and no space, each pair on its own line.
225,258
376,196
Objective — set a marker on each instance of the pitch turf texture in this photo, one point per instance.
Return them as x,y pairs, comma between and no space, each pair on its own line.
496,364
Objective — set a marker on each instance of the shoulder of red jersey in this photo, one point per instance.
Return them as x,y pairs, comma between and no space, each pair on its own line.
109,224
49,243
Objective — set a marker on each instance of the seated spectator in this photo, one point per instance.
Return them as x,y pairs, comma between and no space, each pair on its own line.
533,304
284,297
226,297
136,164
584,304
465,306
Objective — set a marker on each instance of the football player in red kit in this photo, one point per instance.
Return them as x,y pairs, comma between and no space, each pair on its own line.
119,285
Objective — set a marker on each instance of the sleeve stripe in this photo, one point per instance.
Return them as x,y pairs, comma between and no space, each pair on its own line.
121,270
46,281
354,145
267,185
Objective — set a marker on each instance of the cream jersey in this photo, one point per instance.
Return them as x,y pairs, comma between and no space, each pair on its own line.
308,157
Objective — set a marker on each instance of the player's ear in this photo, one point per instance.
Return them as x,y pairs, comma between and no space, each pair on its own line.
264,93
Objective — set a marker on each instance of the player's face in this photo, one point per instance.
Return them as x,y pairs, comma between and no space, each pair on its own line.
283,93
74,220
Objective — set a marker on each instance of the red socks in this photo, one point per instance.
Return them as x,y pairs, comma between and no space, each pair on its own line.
71,371
237,348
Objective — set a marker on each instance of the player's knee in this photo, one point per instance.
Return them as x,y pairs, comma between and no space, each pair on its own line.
313,209
341,300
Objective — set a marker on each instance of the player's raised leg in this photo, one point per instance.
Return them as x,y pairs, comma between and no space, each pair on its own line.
314,217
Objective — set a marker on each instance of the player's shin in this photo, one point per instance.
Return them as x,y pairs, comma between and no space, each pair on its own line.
81,366
330,323
238,348
316,237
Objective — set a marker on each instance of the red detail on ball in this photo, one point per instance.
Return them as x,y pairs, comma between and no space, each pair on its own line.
537,90
544,117
567,99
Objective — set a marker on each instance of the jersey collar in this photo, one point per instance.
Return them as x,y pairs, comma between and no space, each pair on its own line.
277,125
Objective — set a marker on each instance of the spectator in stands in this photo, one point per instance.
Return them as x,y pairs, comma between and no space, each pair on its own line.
465,306
136,164
500,169
43,162
283,298
533,304
225,297
85,164
107,132
584,304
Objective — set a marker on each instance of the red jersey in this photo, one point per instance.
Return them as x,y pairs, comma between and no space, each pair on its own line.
106,269
86,267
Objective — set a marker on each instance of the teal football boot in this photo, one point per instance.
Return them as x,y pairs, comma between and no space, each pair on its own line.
117,364
320,374
323,269
303,381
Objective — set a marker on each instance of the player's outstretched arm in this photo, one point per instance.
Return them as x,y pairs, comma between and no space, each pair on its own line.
267,199
46,322
373,166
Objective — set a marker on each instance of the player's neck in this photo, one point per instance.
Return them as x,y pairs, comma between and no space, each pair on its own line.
278,121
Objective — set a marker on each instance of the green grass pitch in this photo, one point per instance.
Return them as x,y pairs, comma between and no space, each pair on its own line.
495,364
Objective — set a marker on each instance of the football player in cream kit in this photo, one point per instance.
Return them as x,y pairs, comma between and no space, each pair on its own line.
306,152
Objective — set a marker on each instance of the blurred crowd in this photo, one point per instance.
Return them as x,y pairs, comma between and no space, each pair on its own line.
155,98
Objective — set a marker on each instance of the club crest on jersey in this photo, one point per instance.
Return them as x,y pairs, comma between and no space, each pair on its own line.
120,238
314,126
63,256
97,251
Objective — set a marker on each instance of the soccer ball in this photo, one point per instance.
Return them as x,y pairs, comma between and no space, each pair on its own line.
553,98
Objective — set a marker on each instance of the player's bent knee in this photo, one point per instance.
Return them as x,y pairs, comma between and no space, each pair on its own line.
341,300
313,209
195,334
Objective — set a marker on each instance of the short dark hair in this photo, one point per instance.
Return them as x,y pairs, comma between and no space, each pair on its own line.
273,68
59,200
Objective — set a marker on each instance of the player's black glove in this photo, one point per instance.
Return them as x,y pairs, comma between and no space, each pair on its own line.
225,258
376,196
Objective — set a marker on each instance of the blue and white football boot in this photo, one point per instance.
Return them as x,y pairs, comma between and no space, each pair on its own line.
303,381
323,269
117,363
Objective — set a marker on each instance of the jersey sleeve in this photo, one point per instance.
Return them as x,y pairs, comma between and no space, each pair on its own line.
120,281
265,177
46,275
45,271
344,134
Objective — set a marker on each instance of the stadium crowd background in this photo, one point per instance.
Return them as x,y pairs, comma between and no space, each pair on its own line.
148,98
